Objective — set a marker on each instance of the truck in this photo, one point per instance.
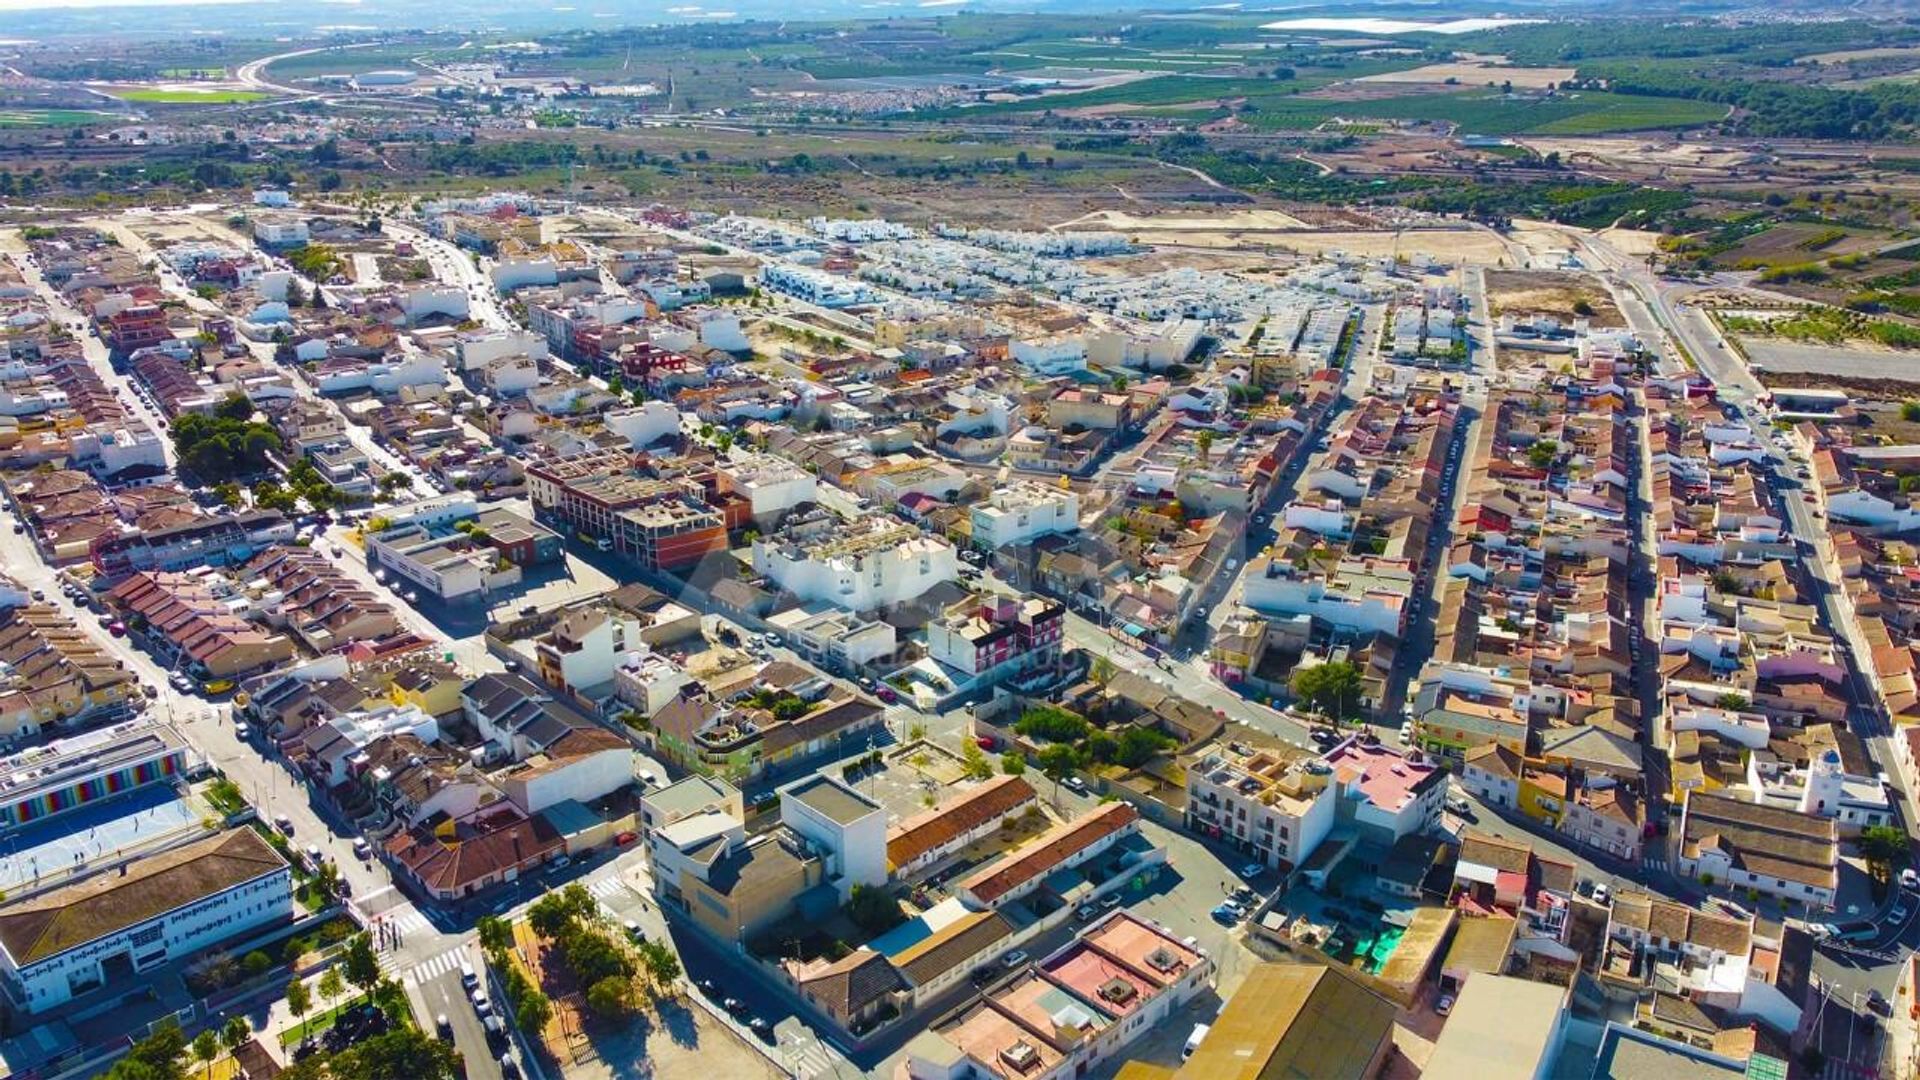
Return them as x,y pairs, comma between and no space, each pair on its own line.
1194,1039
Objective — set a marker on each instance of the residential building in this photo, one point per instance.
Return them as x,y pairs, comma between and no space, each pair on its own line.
452,857
1782,852
1277,808
872,562
1065,846
920,843
1076,1009
988,638
838,640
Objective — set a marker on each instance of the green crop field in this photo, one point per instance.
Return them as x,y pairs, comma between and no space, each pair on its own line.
1622,112
210,96
49,117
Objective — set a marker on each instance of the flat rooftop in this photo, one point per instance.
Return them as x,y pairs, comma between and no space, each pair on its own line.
834,801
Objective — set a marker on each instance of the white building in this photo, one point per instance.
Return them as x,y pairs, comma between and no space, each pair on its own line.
772,485
586,764
1023,512
848,826
645,424
154,911
1267,808
479,348
1054,355
873,562
280,232
841,640
648,681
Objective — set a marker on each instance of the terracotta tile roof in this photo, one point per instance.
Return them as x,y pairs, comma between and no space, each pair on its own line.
1501,854
853,982
957,816
1050,850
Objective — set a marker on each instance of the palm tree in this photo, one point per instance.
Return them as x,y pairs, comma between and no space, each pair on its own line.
206,1047
236,1033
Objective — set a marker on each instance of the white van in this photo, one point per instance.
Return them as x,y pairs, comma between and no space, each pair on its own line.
1194,1039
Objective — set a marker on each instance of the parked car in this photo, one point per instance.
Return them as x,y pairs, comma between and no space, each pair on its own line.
1227,913
1444,1005
1601,894
1910,878
1252,870
284,824
734,1006
761,1029
361,848
1015,958
1900,910
1076,785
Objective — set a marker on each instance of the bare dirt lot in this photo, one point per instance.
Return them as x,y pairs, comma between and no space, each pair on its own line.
1564,295
1803,364
1475,74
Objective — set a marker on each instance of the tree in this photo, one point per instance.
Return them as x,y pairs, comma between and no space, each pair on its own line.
1327,688
296,294
1910,411
156,1057
206,1047
1204,441
1048,724
661,965
611,996
974,764
496,934
236,1033
549,916
299,1000
1541,454
1731,702
533,1012
332,986
1057,762
1138,745
1013,763
402,1054
362,967
874,909
1101,671
1885,849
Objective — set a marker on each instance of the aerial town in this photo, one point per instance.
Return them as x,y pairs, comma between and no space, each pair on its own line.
519,562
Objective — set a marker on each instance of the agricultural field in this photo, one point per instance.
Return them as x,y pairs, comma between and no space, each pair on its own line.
49,117
188,95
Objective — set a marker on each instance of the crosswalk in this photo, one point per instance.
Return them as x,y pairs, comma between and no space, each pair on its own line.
1655,863
603,887
428,970
810,1057
406,922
